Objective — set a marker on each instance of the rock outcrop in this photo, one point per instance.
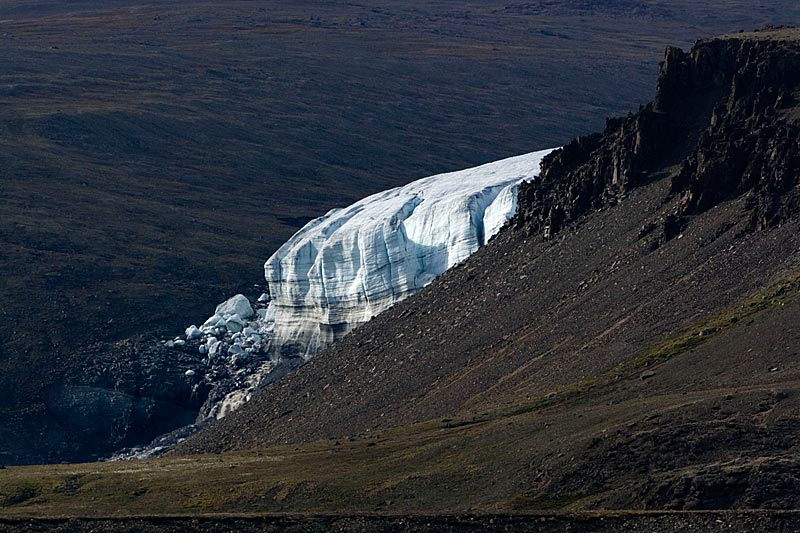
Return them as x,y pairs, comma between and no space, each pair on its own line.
723,112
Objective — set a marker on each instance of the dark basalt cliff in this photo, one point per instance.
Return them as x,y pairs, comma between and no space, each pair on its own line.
724,112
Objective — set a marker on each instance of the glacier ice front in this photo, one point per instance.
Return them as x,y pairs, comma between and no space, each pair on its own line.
347,266
344,268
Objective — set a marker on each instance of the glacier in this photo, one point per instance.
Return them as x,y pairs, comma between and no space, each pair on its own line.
349,265
339,271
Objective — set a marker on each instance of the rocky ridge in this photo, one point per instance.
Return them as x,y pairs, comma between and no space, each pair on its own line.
723,112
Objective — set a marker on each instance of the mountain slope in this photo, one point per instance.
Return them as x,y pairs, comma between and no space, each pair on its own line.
153,153
712,427
649,276
607,362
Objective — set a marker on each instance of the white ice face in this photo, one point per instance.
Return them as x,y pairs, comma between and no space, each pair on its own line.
347,266
339,271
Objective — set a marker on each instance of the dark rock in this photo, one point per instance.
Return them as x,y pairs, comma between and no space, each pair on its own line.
721,110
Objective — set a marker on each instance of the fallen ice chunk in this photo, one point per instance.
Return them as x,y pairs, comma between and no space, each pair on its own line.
238,305
235,324
235,350
214,320
192,332
213,348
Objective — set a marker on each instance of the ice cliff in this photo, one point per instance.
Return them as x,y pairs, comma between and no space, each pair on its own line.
347,266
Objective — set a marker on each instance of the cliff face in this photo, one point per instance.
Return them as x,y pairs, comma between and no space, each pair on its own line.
724,112
344,268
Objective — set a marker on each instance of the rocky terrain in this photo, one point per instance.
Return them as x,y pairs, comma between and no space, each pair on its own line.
153,154
628,342
646,296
